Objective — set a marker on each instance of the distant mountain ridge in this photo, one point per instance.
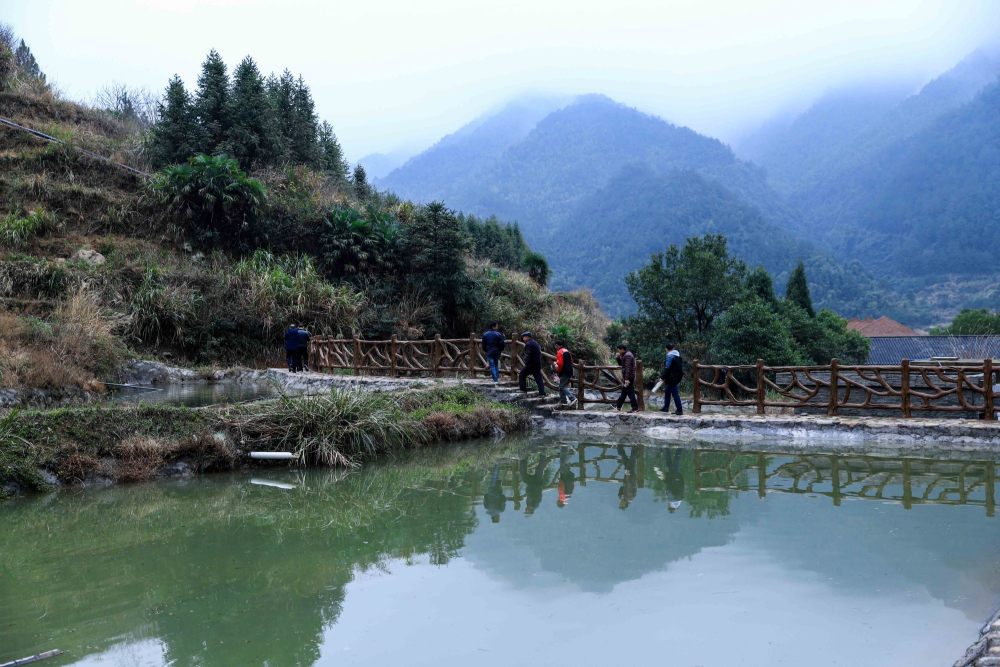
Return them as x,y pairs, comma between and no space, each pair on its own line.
888,194
598,186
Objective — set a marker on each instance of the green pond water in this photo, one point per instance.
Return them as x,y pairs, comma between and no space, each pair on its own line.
538,552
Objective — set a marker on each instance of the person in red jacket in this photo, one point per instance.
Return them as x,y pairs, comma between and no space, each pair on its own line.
564,371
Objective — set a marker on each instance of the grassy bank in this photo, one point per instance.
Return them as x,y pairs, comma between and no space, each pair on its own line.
130,443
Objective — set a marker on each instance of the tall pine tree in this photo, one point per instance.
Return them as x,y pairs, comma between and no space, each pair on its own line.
253,132
360,181
27,64
797,291
175,135
212,105
281,90
331,155
304,127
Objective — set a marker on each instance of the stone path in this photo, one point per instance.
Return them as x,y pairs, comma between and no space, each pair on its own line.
797,430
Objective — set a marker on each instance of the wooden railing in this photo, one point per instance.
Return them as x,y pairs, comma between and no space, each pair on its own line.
909,388
442,357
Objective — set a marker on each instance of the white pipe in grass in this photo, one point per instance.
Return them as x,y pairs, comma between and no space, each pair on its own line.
268,482
274,456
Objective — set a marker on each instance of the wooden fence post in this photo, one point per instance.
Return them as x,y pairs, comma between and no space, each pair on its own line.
393,345
436,355
357,356
904,386
988,388
581,386
515,359
696,389
831,408
760,386
473,357
640,385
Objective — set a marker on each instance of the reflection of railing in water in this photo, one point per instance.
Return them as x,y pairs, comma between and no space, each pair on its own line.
910,481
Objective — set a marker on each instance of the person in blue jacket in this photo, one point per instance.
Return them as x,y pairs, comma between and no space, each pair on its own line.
292,348
493,343
673,372
303,355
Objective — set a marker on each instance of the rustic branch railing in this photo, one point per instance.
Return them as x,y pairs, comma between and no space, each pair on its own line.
908,388
442,357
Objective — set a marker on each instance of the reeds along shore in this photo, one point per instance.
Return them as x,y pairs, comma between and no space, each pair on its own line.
132,443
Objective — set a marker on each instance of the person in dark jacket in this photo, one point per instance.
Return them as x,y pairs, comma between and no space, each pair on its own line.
292,348
495,500
627,361
673,372
563,368
532,364
493,343
303,356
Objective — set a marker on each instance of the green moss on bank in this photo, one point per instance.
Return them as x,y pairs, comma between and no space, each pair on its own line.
126,443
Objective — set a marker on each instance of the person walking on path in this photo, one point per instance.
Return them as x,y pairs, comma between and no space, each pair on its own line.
564,372
627,361
303,355
672,373
493,344
292,348
532,364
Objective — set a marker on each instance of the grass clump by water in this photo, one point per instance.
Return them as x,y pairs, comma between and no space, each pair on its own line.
337,429
346,428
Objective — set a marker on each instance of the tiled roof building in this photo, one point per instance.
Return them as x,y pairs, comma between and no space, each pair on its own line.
883,326
890,350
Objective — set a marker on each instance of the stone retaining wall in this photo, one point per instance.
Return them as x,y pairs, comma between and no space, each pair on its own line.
831,433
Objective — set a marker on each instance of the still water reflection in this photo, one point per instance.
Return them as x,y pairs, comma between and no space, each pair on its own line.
514,554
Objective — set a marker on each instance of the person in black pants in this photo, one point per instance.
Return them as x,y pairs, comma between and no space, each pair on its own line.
292,348
532,364
627,361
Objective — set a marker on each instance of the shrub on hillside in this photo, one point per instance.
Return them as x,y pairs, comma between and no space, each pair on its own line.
76,346
16,230
278,289
220,206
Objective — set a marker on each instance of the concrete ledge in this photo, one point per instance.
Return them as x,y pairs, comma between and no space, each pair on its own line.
831,432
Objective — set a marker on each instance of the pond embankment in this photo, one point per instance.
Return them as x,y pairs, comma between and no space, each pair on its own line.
110,443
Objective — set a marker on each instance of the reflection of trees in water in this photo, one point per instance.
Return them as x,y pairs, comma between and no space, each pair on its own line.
228,573
223,572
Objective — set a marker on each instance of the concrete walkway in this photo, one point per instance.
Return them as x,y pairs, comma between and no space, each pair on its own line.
797,431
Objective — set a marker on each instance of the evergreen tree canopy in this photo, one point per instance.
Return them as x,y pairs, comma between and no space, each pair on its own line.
253,132
304,129
752,330
760,284
260,122
434,248
212,106
331,155
175,136
360,180
797,290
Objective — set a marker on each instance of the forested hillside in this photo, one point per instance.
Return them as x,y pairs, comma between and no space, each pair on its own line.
598,186
910,192
212,256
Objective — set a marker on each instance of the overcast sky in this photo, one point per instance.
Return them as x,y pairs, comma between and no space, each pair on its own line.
394,74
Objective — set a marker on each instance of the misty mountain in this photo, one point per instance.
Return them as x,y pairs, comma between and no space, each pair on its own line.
844,131
598,186
442,171
377,165
930,205
913,194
